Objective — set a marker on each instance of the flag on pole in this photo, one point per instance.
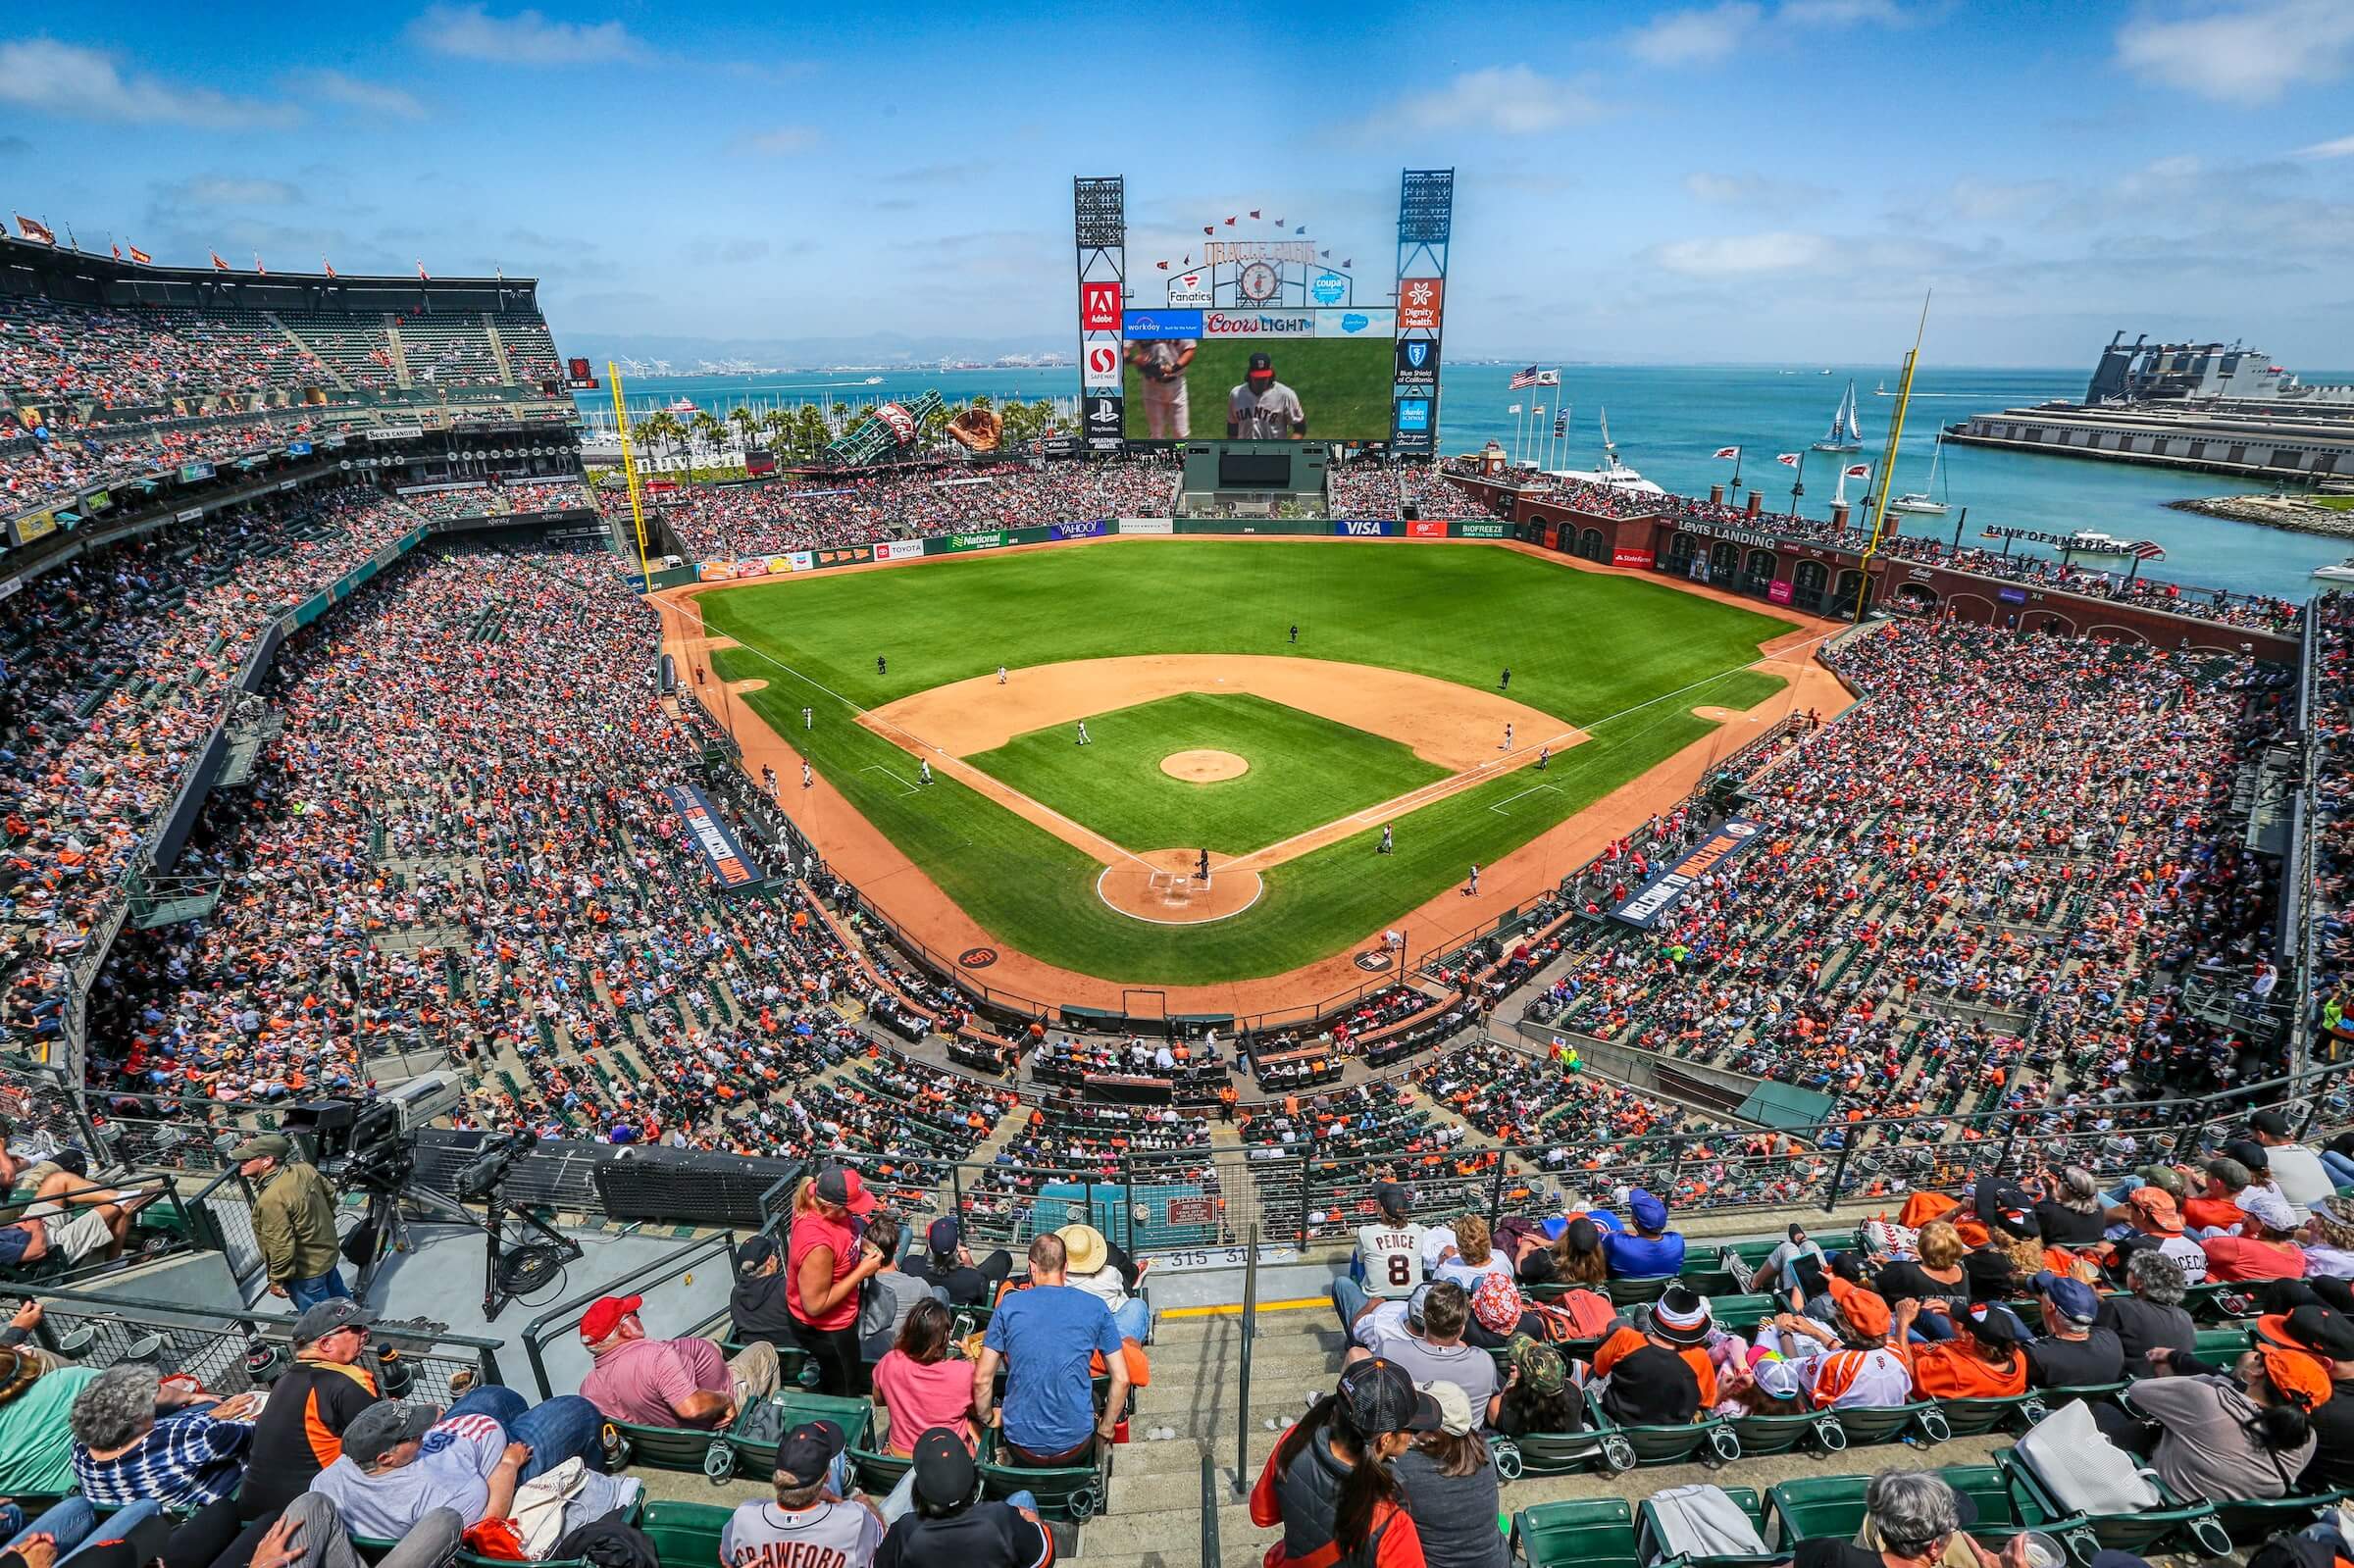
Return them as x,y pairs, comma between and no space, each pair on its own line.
1521,378
1209,228
1255,212
1549,378
1513,409
1302,230
1536,408
1734,452
140,256
218,265
1789,459
32,229
421,273
257,265
1561,424
329,264
1230,222
116,249
1857,471
1163,265
2150,550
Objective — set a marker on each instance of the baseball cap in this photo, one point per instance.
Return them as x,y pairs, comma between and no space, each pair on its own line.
1391,1198
2297,1374
754,1254
2271,1122
1650,1213
1454,1406
2311,1328
2071,1298
1990,1323
605,1313
2249,1154
1414,1304
844,1188
1681,1314
1379,1397
1496,1303
945,1473
943,1237
2167,1177
1776,1376
385,1426
2267,1205
318,1322
808,1452
1541,1366
2156,1205
1866,1311
263,1145
1261,362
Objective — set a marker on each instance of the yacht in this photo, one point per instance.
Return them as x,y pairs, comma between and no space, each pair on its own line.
1612,474
2343,572
1926,501
2090,544
1845,435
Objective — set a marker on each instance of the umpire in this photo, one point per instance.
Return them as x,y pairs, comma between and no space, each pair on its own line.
293,1220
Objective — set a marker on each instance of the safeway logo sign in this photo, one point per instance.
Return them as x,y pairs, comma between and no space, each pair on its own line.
1418,303
1100,307
1102,368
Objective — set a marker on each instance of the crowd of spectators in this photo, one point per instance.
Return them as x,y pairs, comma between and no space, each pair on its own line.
59,463
53,353
2330,730
501,498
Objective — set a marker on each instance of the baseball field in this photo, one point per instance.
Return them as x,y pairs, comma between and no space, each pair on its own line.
1213,737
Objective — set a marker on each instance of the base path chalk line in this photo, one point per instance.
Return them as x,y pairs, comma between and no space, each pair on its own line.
906,787
1499,806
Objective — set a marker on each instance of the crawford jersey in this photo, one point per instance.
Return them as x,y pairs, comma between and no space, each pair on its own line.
831,1534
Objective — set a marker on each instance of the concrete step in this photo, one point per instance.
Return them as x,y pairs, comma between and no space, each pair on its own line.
1174,1534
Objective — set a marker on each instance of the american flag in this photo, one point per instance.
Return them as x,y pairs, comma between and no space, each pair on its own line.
2150,550
1521,378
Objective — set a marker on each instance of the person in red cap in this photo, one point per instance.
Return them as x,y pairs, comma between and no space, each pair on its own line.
667,1382
825,1264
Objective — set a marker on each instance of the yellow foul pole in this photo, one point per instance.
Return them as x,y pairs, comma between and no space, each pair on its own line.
629,469
1888,475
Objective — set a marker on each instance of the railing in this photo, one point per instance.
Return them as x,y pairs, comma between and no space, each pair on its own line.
1241,1420
212,1346
222,1211
565,1315
1210,1510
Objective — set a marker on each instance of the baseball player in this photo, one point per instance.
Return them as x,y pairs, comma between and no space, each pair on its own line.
808,718
1472,891
1544,756
1201,867
922,768
1504,682
1507,737
880,667
1263,408
807,778
1000,674
1160,365
1386,844
1295,631
768,778
1082,740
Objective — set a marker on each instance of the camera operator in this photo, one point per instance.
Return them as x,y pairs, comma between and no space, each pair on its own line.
293,1221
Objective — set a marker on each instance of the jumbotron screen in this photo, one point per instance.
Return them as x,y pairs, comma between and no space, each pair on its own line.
1277,374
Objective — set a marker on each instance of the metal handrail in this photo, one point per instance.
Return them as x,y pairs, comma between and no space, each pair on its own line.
1242,1423
1210,1510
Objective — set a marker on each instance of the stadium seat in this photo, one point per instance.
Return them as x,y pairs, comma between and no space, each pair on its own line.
1070,1492
1650,1538
2172,1525
1586,1533
793,1406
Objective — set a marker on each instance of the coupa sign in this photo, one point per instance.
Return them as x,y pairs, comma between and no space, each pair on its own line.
1363,527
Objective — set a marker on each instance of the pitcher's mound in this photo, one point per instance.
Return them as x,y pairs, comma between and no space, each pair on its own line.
1160,885
1204,767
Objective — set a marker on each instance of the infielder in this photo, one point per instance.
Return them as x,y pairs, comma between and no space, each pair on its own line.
1386,844
1472,891
1507,737
924,769
1160,365
1544,756
1000,674
1082,740
807,778
1263,408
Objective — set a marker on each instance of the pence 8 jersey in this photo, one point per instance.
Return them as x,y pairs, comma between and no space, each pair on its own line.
1393,1256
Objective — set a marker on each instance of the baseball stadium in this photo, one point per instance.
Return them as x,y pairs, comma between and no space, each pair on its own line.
1089,976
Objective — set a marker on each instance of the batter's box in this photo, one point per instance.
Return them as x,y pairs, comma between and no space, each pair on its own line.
1176,888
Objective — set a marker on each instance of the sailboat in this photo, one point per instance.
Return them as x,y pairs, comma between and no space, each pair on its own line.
1845,434
1923,501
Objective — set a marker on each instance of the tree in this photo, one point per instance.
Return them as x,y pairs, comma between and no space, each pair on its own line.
748,425
780,427
656,430
710,433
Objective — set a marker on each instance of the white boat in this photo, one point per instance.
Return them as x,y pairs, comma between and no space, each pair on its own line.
2090,544
1845,434
1612,474
1924,501
873,380
681,405
2343,572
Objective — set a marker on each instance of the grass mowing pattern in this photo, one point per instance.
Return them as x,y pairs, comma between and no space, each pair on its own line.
1570,637
1305,772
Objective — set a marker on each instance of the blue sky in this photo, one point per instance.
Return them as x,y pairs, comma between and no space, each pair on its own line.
1755,180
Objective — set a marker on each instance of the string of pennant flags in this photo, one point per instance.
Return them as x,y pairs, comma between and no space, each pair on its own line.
1210,230
41,234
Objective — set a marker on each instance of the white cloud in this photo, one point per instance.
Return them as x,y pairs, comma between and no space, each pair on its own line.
1692,38
217,190
1986,200
1512,100
526,38
782,142
1840,13
1738,255
1751,190
62,79
2247,53
368,97
2342,147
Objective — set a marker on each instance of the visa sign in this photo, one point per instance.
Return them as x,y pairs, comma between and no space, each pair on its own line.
1361,528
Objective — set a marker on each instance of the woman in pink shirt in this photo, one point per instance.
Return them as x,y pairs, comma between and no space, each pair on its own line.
920,1385
825,1265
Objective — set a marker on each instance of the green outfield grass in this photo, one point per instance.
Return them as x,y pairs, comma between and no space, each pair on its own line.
1344,385
1305,771
1623,658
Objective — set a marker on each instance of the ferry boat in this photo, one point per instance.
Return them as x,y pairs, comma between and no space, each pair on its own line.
2090,544
1612,474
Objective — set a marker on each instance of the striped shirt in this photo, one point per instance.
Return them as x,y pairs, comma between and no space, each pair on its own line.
186,1460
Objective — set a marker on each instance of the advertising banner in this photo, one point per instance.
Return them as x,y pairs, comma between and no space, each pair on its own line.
1426,528
1483,530
1418,303
190,514
778,565
1656,897
1080,531
1625,556
712,836
752,565
1190,288
1102,415
800,561
899,550
298,449
1381,324
1100,307
1100,368
987,539
1259,324
1147,324
26,529
1148,524
2012,595
1418,370
190,472
715,571
1778,592
847,555
1364,527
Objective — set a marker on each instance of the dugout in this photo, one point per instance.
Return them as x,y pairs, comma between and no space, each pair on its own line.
1253,478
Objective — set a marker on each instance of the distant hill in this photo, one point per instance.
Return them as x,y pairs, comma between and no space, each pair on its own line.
870,348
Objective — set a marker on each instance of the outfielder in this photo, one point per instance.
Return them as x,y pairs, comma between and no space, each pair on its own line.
1544,756
1000,674
924,769
1082,740
1263,408
807,778
1160,365
1386,844
808,718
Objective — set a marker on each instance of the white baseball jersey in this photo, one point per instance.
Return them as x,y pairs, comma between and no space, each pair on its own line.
1266,416
1393,1255
830,1535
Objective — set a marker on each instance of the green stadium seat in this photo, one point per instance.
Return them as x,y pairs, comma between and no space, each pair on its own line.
685,1535
2173,1523
1649,1537
1586,1533
855,1417
1074,1493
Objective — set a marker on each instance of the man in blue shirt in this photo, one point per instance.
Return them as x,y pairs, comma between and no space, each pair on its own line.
1653,1252
1046,1336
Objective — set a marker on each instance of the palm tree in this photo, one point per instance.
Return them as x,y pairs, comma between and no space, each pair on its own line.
709,431
657,430
780,427
748,425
